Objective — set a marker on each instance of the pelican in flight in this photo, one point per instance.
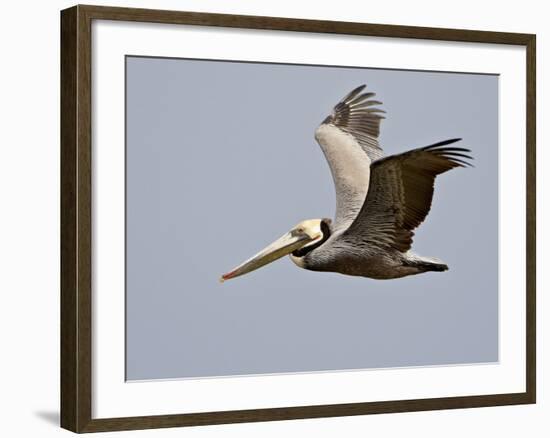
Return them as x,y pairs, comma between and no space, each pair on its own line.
379,200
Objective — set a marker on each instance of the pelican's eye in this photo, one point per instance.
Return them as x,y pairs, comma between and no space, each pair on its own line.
300,230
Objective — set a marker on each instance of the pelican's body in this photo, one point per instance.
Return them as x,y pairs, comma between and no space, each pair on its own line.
346,255
379,200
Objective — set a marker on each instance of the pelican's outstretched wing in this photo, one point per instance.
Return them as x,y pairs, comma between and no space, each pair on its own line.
349,140
400,194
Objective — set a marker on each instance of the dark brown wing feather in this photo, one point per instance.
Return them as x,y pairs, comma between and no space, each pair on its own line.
358,115
400,194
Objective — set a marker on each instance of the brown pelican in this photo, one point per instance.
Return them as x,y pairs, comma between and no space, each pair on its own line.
379,200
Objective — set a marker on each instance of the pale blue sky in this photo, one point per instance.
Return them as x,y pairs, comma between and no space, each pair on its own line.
221,160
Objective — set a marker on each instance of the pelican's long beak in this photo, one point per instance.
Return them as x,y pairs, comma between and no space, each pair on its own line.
291,241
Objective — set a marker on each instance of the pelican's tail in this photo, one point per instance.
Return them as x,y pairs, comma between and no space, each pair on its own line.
425,264
435,267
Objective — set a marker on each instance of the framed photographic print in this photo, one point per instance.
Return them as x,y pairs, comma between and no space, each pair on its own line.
392,168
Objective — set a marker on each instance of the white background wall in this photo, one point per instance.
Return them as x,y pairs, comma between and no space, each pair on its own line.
29,219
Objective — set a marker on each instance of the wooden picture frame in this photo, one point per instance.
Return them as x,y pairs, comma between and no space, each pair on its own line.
76,218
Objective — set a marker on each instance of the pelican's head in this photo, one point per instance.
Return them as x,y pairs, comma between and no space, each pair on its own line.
299,240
